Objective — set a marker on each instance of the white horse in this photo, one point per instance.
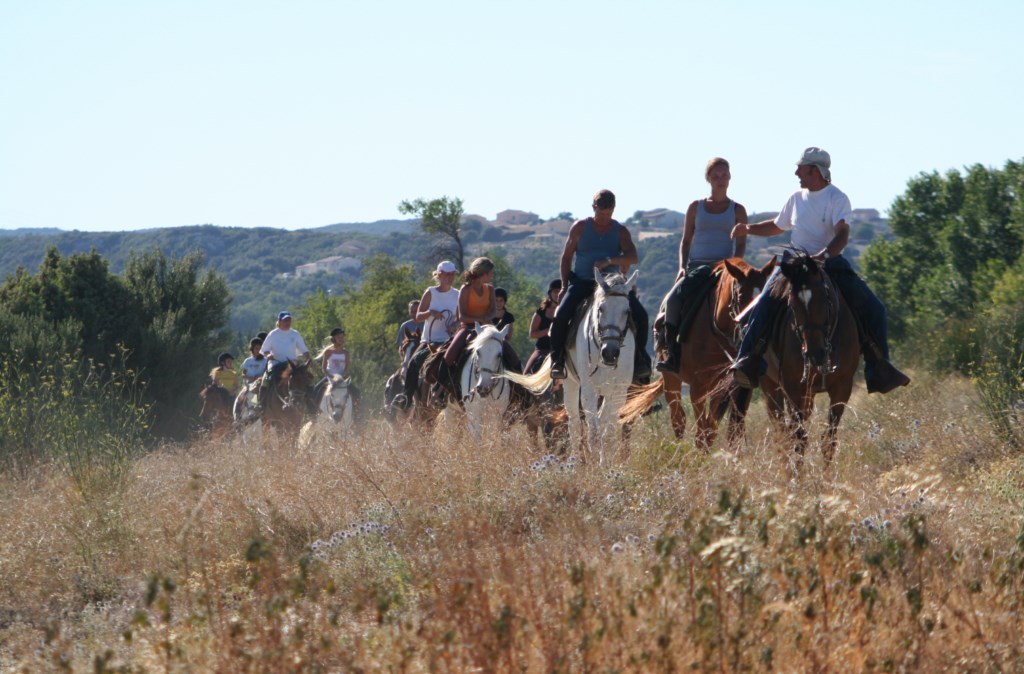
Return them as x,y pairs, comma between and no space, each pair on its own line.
484,390
599,363
336,402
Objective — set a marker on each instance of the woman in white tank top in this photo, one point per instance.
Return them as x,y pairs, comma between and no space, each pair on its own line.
439,305
335,361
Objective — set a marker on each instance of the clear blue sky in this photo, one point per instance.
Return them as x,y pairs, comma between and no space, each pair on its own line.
125,115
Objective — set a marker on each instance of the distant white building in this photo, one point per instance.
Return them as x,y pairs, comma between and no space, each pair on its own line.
332,265
514,217
663,218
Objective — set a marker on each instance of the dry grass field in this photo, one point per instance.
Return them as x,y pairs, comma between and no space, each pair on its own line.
390,552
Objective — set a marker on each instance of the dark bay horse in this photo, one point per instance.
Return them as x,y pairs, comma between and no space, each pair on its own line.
815,348
705,356
290,399
216,413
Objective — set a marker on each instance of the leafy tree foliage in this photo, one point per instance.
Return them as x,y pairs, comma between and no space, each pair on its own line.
370,314
953,280
440,218
165,315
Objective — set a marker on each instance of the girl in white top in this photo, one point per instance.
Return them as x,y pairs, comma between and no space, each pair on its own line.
334,357
439,305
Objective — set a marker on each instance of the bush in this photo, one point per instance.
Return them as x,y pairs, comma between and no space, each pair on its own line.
87,419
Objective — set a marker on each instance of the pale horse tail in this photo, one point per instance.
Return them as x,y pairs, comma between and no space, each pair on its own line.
639,400
535,383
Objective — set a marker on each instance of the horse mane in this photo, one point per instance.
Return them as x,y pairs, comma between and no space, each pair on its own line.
486,332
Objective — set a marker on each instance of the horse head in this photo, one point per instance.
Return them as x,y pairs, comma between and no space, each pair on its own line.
336,395
485,356
611,313
814,305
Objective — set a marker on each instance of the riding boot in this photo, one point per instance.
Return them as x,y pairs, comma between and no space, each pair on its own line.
880,375
670,363
747,370
558,365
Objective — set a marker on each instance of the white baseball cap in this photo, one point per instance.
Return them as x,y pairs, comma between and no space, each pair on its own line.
815,156
446,267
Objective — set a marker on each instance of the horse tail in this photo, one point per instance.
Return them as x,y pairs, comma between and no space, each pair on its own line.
535,383
639,401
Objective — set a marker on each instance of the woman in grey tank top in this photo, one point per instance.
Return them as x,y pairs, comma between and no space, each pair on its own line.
706,240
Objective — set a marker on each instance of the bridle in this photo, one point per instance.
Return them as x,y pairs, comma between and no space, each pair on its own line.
736,306
827,328
610,332
477,369
332,408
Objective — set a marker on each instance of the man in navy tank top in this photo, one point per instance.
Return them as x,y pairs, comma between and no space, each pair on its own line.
599,242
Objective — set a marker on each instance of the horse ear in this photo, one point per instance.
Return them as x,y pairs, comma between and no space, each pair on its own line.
767,269
478,327
504,332
733,270
599,277
631,281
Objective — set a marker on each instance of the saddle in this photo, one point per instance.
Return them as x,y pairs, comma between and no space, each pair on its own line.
437,373
703,284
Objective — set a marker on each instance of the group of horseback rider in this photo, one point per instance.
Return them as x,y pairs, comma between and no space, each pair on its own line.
271,356
715,227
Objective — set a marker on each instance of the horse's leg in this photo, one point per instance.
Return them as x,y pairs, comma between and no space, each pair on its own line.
571,391
590,429
671,387
705,433
838,394
738,402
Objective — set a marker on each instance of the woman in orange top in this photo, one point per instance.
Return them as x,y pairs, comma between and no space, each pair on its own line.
476,305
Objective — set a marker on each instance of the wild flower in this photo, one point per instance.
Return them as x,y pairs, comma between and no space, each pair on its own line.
617,547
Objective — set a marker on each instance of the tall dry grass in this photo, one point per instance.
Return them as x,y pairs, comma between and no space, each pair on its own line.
392,552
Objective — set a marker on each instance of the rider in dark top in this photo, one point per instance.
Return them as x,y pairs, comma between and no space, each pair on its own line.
540,325
603,243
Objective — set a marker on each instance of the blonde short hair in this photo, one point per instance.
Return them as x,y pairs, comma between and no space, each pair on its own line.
712,163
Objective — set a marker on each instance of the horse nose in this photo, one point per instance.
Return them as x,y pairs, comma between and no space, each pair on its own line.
609,354
818,357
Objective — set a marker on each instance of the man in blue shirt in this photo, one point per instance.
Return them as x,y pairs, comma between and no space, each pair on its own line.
599,241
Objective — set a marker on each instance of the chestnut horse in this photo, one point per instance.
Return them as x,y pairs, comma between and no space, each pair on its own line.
705,357
816,349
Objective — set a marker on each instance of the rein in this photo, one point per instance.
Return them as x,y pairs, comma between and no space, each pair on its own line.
605,333
730,342
826,327
476,368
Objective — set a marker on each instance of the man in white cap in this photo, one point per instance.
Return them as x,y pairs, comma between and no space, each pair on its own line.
817,215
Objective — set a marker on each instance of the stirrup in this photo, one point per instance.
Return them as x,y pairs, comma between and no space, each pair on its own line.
746,372
670,364
885,377
558,370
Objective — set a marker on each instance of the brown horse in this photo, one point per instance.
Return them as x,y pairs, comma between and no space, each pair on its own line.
815,349
216,412
290,399
705,357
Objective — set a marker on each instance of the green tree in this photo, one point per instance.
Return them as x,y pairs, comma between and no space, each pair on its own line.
179,322
440,218
370,314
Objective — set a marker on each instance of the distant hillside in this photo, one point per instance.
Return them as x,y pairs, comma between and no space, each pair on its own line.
378,227
22,231
259,264
273,269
